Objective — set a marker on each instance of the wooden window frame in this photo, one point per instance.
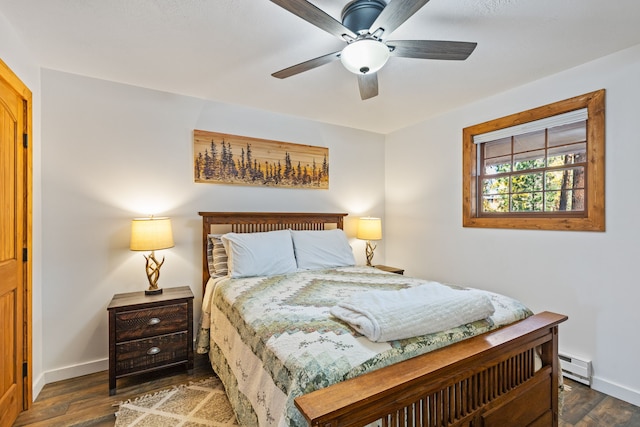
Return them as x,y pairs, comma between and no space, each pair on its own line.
593,218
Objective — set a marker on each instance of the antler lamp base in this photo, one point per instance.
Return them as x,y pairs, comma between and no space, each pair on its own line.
153,274
369,252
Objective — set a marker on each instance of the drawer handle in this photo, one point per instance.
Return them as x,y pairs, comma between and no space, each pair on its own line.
153,321
153,350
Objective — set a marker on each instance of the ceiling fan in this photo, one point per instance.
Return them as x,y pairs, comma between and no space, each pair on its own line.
365,26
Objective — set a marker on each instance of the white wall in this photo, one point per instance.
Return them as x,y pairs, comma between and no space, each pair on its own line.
591,277
17,57
113,152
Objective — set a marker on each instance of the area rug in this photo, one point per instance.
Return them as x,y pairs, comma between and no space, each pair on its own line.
198,404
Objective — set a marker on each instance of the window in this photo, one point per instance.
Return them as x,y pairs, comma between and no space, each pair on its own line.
539,169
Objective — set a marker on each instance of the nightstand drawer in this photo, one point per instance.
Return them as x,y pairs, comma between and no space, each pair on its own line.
149,322
139,355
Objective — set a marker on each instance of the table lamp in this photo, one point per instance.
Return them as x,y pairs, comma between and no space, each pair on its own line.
369,229
151,234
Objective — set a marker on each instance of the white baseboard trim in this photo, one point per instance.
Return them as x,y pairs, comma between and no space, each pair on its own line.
36,387
77,370
616,390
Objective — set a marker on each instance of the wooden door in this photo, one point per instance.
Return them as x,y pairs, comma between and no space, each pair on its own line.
14,245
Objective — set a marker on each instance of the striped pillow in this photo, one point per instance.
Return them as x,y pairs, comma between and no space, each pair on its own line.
216,256
219,255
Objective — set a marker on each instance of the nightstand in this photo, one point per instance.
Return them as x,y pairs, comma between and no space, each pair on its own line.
149,332
390,269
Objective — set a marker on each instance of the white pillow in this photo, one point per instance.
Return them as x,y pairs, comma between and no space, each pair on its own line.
322,249
259,254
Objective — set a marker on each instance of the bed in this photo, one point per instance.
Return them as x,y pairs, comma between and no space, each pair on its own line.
502,372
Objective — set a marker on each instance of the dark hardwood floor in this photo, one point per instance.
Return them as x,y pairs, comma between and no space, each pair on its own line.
584,407
85,401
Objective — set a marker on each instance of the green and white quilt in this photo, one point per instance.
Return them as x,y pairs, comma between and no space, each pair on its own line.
271,339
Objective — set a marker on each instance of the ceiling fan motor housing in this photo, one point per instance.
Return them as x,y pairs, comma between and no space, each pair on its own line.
359,15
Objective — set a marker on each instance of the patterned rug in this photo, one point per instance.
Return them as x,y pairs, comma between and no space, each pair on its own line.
199,404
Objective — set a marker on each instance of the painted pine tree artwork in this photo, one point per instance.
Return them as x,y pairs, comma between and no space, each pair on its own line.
231,159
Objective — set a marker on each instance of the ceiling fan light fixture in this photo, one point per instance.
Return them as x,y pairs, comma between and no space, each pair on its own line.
364,56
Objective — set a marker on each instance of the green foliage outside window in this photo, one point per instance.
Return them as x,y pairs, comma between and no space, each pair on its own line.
546,180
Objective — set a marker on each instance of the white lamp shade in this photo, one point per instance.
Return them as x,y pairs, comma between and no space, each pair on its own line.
369,229
364,56
150,234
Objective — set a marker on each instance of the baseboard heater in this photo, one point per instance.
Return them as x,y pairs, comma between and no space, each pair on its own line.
577,369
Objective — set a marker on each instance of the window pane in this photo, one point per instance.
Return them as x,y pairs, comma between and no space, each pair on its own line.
497,165
564,201
497,148
526,202
564,179
555,179
577,200
525,183
552,201
530,160
528,141
495,185
566,134
567,154
495,203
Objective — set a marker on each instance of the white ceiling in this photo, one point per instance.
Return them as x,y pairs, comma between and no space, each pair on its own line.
226,50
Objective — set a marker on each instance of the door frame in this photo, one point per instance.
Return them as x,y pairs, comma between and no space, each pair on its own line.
14,81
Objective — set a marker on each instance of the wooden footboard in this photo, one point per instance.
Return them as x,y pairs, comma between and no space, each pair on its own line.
488,380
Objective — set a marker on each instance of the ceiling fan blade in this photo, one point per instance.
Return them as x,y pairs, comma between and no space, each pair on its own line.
394,14
431,49
307,65
368,85
316,16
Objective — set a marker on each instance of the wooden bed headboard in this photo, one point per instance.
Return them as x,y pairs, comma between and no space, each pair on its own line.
253,222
